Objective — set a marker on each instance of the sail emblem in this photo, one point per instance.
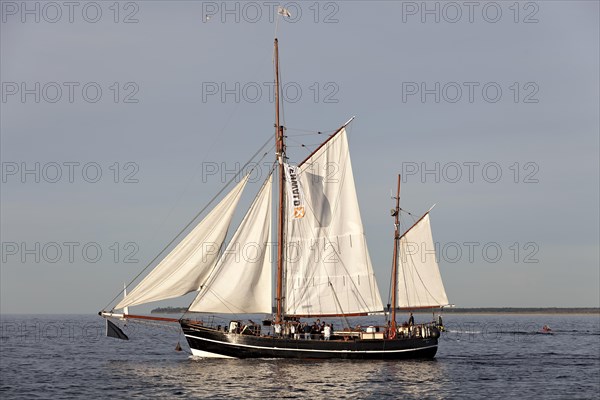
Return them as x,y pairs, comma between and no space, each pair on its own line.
299,212
295,193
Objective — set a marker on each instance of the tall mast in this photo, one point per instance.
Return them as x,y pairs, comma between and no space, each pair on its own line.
395,261
280,146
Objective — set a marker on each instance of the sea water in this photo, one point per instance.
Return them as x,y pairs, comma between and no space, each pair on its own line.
480,356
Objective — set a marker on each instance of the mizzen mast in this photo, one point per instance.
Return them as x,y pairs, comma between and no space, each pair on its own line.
280,149
396,215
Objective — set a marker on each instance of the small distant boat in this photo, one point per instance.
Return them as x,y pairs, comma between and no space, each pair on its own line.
546,330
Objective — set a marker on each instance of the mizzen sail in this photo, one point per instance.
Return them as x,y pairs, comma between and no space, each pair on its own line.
188,265
241,281
419,281
328,268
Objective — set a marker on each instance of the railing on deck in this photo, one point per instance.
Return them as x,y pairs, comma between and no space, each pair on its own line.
371,332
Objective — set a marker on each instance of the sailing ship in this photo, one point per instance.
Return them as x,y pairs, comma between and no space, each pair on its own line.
322,268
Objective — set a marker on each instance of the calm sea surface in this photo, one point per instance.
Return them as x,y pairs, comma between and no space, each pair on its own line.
482,356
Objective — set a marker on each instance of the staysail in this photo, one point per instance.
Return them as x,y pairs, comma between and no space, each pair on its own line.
241,281
328,268
419,282
188,265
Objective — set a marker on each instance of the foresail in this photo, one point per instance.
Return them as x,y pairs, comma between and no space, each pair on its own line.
419,281
328,268
241,282
188,265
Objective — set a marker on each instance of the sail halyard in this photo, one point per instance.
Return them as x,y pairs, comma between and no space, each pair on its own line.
416,222
188,265
333,135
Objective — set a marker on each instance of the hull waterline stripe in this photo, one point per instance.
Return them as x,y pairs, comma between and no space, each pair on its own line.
207,354
311,350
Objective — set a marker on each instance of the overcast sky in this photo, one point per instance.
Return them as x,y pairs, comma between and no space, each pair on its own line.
489,110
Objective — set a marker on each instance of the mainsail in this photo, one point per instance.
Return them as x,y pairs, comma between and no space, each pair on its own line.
328,268
189,264
419,281
241,281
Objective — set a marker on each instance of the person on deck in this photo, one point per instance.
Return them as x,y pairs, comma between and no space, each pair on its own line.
327,332
314,329
307,331
411,320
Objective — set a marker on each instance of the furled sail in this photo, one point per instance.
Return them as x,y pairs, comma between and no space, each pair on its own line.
241,281
419,281
188,265
328,268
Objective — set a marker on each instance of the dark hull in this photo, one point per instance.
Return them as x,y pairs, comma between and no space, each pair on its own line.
209,342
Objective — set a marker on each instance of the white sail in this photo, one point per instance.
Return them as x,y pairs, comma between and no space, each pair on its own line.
188,265
419,281
241,281
328,268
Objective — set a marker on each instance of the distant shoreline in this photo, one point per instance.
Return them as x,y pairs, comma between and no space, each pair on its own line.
456,310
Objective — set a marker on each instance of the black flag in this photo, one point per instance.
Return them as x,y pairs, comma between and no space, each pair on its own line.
113,330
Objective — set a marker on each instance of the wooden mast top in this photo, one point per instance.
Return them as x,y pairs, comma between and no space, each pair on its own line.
395,261
280,146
